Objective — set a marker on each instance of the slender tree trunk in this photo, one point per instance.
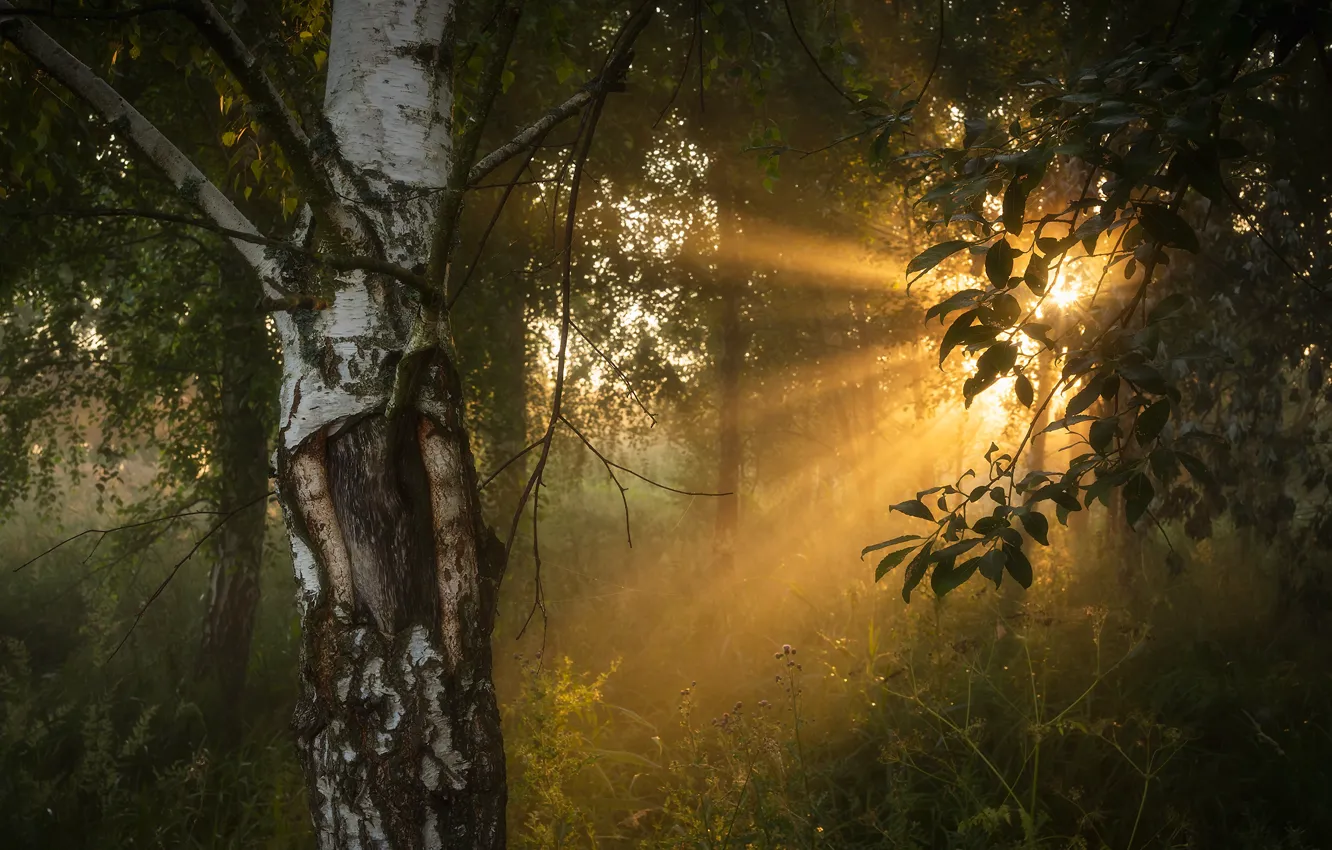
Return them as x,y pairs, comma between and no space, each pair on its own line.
507,380
1046,380
241,457
730,448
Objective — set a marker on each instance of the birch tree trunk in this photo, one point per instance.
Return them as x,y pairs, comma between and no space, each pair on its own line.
397,720
396,572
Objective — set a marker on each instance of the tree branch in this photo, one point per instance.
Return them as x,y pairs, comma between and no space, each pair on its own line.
610,79
129,123
464,152
337,262
143,609
270,108
814,60
93,14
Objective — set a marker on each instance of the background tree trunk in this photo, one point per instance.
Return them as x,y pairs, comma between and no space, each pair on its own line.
241,460
730,447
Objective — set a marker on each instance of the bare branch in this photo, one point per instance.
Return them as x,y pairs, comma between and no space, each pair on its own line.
442,241
336,262
679,81
490,226
938,53
93,14
640,476
198,544
130,124
492,476
814,60
529,135
610,79
103,532
628,385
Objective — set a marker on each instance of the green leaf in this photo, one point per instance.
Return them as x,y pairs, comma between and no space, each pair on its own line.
1036,526
885,544
1163,462
1152,420
1026,394
1015,561
991,566
999,263
1167,307
1196,468
956,334
959,548
1102,432
947,577
913,508
1015,206
1138,493
1002,311
956,301
1038,332
934,255
915,571
1168,227
1144,377
997,359
1037,274
1083,398
889,561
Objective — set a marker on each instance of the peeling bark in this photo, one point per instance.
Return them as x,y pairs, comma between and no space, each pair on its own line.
396,573
397,723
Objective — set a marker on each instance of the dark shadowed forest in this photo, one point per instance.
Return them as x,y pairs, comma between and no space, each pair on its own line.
718,424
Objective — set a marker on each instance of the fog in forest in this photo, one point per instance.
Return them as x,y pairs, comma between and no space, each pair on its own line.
894,425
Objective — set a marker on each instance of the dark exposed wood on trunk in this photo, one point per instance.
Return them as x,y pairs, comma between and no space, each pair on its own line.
398,713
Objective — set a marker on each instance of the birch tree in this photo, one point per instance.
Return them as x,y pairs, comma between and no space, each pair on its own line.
397,574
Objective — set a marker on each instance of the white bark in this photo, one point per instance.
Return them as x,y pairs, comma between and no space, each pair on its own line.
397,718
388,96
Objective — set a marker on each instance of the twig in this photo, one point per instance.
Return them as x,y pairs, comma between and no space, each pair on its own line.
938,52
333,261
106,531
679,81
611,77
507,464
640,476
494,219
175,569
790,16
619,373
610,470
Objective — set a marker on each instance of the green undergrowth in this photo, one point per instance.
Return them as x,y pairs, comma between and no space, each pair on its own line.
791,704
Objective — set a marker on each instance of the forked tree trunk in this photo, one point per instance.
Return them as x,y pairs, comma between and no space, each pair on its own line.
241,457
397,721
397,574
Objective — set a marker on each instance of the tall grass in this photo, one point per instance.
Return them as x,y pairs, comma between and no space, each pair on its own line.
790,703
